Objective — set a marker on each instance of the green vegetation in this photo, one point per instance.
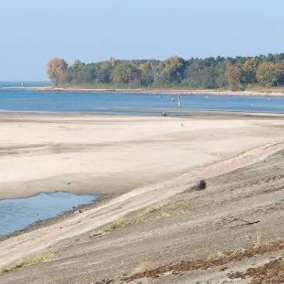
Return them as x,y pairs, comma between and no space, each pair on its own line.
41,258
237,73
114,225
139,216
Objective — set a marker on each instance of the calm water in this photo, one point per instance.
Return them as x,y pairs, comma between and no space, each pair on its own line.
17,214
131,103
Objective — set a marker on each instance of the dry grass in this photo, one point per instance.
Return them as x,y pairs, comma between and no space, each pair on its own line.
166,209
114,225
162,210
213,260
138,217
265,89
258,241
145,265
41,258
271,272
215,256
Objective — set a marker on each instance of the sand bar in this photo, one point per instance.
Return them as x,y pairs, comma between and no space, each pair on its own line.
115,154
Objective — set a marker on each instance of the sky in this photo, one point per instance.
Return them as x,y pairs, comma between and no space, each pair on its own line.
34,31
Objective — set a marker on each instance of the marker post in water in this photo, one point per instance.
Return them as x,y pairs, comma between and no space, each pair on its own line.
179,102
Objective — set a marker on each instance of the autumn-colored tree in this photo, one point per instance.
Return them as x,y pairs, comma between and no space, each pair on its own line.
269,74
57,70
205,73
233,76
172,71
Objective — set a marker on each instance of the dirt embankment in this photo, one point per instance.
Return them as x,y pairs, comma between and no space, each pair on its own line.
231,231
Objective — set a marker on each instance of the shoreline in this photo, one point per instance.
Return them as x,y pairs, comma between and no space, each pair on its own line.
154,113
158,91
102,199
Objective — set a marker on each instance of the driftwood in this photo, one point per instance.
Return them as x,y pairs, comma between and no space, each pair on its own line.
245,221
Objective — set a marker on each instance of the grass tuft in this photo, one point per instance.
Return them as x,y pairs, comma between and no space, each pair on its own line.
214,256
114,225
140,217
145,266
41,258
258,241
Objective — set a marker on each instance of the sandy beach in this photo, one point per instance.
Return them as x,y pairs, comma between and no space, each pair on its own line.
142,160
116,154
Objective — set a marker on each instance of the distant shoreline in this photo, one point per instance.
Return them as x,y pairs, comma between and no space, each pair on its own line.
161,91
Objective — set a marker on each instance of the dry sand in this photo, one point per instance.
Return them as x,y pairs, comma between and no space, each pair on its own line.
145,159
115,154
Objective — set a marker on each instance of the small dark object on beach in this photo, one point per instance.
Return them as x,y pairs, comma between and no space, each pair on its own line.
202,184
197,187
164,114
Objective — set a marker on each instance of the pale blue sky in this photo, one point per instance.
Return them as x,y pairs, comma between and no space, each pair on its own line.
33,31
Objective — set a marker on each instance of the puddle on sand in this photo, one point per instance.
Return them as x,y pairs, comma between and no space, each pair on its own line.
17,214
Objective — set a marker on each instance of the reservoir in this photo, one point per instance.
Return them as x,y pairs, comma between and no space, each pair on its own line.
132,104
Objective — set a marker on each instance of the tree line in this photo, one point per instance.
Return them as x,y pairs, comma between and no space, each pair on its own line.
236,73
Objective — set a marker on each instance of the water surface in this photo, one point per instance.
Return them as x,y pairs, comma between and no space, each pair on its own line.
32,101
17,214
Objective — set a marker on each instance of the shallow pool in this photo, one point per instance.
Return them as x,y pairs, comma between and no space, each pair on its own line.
17,214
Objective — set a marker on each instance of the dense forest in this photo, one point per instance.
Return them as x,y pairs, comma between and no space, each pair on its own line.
237,73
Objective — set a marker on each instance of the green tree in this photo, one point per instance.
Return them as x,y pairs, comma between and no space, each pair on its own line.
269,74
249,69
126,73
147,72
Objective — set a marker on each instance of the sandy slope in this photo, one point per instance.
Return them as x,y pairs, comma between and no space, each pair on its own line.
160,157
